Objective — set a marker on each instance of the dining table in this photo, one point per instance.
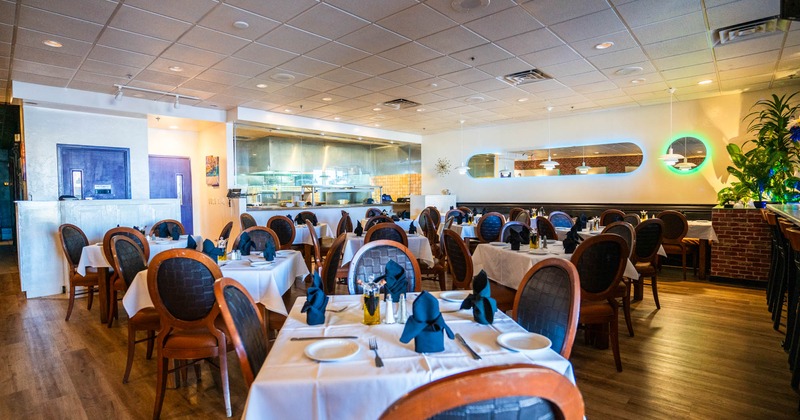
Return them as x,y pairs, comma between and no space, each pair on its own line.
561,232
291,384
465,230
418,244
265,281
92,256
703,231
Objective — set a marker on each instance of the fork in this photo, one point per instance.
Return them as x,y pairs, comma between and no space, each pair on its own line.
373,345
337,310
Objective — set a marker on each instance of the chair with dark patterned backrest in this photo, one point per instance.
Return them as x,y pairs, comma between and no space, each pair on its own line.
454,213
247,221
260,235
171,223
345,224
522,217
560,219
284,228
514,391
181,285
388,231
600,261
675,228
645,256
519,227
72,242
225,233
117,284
610,216
436,272
129,260
544,227
245,326
548,302
628,233
316,253
374,220
633,219
466,210
514,212
331,267
371,259
425,221
309,215
459,259
489,227
372,212
436,217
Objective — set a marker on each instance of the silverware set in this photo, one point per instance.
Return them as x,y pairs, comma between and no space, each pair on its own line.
373,345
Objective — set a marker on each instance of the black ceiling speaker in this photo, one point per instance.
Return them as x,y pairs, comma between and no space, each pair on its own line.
790,9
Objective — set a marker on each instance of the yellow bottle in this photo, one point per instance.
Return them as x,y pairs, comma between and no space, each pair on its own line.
534,241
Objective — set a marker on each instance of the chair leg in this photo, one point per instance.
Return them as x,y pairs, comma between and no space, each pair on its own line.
683,260
151,340
71,301
161,385
626,309
223,373
442,283
112,307
131,349
614,336
654,284
91,291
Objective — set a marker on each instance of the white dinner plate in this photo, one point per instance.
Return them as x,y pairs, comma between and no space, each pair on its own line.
497,243
538,251
260,263
283,252
454,295
331,350
523,341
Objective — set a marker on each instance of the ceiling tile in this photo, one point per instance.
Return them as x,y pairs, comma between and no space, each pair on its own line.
551,56
444,7
8,11
242,67
504,24
161,78
484,54
677,46
763,69
487,85
264,54
277,74
683,60
344,75
375,65
130,41
36,39
583,78
417,22
43,21
748,60
671,28
504,67
185,10
163,64
622,41
243,93
336,53
441,65
451,40
121,57
372,10
752,46
406,75
349,92
97,11
467,76
292,39
317,20
296,92
697,70
616,59
211,40
89,86
142,22
102,67
222,77
307,66
204,85
21,76
222,18
568,69
645,12
540,39
589,26
7,33
741,11
280,10
40,69
373,39
410,53
192,55
599,86
375,84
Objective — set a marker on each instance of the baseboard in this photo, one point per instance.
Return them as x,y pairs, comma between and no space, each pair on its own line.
753,284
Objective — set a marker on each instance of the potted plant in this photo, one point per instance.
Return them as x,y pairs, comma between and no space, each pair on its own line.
728,196
754,169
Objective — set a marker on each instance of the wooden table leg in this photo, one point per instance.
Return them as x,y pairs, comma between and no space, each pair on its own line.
638,290
103,292
703,255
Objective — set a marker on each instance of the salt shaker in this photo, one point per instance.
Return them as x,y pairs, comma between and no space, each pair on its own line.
389,319
403,315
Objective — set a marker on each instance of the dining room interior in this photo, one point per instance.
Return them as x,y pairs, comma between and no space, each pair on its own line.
340,209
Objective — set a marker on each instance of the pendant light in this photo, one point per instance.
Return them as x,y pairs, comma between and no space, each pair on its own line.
685,165
671,158
462,170
505,172
549,164
583,169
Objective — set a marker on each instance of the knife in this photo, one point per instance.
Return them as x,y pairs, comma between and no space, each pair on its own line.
461,340
348,337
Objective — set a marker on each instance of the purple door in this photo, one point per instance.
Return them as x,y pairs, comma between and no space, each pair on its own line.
171,177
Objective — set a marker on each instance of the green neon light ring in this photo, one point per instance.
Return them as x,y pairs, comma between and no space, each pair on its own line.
702,139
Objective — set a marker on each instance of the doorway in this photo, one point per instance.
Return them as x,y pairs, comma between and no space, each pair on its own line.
171,177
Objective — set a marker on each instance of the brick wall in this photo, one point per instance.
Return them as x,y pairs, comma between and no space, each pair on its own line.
744,245
400,185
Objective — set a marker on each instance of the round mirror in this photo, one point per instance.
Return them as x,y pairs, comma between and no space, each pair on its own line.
692,150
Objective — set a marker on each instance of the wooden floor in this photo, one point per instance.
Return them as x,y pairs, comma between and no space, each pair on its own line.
709,353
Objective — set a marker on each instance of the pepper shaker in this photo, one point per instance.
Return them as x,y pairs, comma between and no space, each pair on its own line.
403,315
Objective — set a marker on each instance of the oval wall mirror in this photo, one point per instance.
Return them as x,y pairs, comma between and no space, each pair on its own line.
692,149
609,158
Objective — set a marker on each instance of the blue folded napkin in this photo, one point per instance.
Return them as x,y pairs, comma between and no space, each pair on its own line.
316,301
269,251
426,325
480,300
514,240
359,229
245,244
459,219
572,240
395,278
211,250
406,215
176,233
411,228
299,219
191,243
163,231
582,221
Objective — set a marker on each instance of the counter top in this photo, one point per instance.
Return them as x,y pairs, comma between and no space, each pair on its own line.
790,211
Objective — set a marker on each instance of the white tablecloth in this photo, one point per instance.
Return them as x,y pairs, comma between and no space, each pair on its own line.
266,284
465,230
301,235
561,232
417,244
290,385
702,229
507,267
92,255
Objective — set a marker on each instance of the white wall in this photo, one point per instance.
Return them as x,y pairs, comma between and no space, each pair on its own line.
216,212
717,120
45,127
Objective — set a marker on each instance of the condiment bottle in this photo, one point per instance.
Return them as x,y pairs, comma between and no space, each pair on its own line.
403,315
389,310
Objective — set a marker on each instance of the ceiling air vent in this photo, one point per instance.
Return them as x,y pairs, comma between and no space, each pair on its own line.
749,30
400,104
525,77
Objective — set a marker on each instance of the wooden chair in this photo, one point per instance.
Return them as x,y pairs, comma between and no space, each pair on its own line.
116,284
544,227
523,217
315,248
514,212
454,213
548,302
284,228
633,219
387,231
459,260
372,212
371,259
245,326
610,216
72,242
181,286
520,391
519,227
426,221
436,272
435,216
260,236
466,210
128,261
308,215
489,227
374,220
247,221
645,255
623,292
171,223
331,267
345,225
675,228
600,262
225,233
560,219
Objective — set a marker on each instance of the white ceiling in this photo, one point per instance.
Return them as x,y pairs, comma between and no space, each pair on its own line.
346,56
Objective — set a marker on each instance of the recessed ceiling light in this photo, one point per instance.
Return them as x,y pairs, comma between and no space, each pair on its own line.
213,106
420,109
321,134
522,100
597,153
376,109
376,125
261,85
627,71
138,95
700,152
52,43
555,154
434,85
287,110
468,5
326,99
240,24
638,81
174,127
604,45
176,68
391,142
474,99
705,82
282,77
337,118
